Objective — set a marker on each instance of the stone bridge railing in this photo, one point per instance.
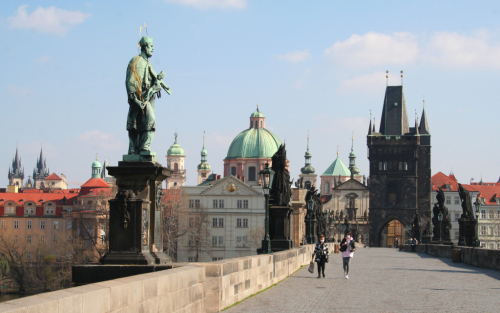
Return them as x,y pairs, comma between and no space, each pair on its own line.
479,257
194,287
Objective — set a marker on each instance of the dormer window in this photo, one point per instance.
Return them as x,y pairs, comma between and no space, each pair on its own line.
448,187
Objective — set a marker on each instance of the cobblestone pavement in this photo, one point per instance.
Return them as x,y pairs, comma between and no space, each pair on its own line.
383,280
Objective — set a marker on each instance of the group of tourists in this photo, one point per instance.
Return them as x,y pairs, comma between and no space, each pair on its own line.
321,255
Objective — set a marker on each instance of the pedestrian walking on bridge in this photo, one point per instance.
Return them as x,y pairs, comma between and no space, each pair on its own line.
347,247
322,256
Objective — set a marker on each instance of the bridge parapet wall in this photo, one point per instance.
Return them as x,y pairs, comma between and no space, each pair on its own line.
176,290
192,287
232,280
480,257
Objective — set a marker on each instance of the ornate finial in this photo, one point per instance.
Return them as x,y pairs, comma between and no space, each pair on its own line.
387,78
203,138
96,156
337,151
258,106
175,135
423,103
352,136
401,78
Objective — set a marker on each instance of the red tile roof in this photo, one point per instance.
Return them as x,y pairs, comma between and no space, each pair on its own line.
95,183
37,198
489,193
53,176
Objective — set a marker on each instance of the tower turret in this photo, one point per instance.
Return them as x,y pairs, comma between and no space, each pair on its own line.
308,176
203,167
175,162
16,171
352,160
96,169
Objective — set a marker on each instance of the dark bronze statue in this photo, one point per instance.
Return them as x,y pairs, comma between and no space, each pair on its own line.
281,191
466,202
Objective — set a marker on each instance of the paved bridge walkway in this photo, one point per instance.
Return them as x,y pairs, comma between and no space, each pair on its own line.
383,280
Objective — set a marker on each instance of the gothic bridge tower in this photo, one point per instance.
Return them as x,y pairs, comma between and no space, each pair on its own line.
400,172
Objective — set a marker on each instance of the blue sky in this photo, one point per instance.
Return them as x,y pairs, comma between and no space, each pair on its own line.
316,66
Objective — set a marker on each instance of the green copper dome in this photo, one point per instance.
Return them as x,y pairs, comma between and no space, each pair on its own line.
96,164
257,114
254,143
204,152
337,168
175,149
204,166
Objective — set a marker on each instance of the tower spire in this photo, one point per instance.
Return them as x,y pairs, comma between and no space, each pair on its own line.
352,159
370,126
308,169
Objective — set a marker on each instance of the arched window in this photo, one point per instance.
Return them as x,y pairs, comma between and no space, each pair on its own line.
233,171
176,167
307,185
260,124
251,173
327,187
251,124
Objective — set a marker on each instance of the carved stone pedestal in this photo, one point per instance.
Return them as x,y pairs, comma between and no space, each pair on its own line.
279,228
467,232
135,217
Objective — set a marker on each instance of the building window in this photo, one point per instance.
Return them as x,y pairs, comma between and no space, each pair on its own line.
483,213
239,204
49,210
491,214
28,255
448,199
197,204
457,200
55,239
233,171
251,173
191,259
483,245
482,231
241,241
42,224
327,187
3,224
221,204
385,166
218,258
191,204
456,234
307,185
28,225
498,213
215,203
457,216
42,238
191,240
217,222
16,237
218,241
69,225
28,239
56,224
68,210
242,222
400,166
16,224
245,204
260,123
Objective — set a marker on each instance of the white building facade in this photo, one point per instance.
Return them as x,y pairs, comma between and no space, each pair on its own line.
236,217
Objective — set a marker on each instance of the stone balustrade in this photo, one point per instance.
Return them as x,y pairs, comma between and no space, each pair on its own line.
194,287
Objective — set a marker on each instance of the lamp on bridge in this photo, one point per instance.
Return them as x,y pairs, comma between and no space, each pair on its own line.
477,206
310,208
267,176
440,219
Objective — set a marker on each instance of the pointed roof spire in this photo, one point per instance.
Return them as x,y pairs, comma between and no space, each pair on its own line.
374,123
204,166
424,125
370,126
394,119
416,124
308,169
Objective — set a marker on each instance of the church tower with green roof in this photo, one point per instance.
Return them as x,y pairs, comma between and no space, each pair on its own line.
203,167
308,176
175,162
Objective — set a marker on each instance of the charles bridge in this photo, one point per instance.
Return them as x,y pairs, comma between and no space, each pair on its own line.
381,280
